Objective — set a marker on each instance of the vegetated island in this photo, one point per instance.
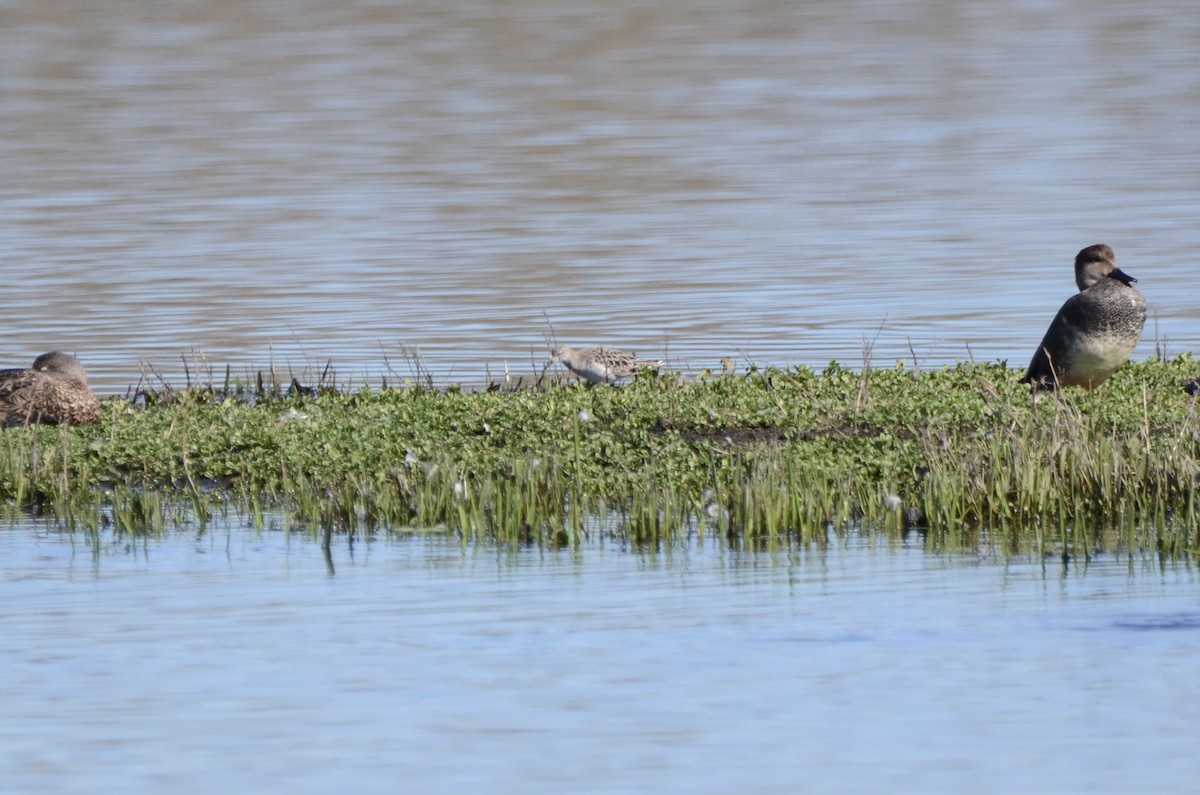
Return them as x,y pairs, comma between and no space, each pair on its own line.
963,456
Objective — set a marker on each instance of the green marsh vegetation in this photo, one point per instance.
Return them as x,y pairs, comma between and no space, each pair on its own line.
961,455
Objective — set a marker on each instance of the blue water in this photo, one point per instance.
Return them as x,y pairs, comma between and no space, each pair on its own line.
258,183
240,661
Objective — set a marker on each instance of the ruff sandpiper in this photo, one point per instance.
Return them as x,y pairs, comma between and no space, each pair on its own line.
1095,331
601,365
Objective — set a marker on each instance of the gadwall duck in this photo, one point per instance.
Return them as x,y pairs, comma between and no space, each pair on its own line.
1095,331
53,391
601,365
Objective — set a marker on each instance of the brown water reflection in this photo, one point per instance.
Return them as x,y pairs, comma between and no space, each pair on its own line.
304,180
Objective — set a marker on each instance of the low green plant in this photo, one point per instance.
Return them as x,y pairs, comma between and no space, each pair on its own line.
963,456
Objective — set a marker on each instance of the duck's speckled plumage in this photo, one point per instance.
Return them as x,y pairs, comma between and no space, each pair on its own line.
53,391
601,365
1095,331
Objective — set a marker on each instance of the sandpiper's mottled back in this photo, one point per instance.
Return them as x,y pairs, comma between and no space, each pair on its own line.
53,391
601,365
1095,331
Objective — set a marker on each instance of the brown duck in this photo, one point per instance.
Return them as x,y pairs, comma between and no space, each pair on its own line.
53,391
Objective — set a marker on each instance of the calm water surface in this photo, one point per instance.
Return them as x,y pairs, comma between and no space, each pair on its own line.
258,182
239,661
